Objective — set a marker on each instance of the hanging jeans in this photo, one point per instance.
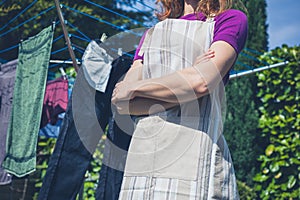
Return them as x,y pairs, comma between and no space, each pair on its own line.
76,143
112,171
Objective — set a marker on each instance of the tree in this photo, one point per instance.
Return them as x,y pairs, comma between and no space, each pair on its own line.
241,122
279,124
75,13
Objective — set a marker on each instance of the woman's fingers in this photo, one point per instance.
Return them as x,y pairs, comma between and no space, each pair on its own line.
204,57
122,92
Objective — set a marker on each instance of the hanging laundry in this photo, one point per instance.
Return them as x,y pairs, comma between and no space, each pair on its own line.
7,82
55,101
52,131
31,76
72,155
96,64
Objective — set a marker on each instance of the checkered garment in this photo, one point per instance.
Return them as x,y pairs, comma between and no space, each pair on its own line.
181,153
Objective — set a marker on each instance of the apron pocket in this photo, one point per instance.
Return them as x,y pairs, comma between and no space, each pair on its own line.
164,149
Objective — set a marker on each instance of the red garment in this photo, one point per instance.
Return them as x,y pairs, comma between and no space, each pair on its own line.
55,101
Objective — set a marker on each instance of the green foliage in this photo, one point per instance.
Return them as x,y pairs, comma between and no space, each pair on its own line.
44,150
279,123
245,192
90,27
240,128
257,34
92,174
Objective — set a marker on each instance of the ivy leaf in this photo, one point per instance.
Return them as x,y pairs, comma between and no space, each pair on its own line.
269,150
274,167
260,177
291,182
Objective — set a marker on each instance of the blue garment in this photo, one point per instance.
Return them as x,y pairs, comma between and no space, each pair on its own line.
112,169
76,143
52,131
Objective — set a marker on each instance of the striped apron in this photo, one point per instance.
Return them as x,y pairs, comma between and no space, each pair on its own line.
180,153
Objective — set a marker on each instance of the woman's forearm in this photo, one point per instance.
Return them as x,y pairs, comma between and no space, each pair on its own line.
143,106
176,88
192,82
184,85
135,72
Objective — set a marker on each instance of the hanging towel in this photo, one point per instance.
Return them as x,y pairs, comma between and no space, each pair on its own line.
55,101
7,82
31,76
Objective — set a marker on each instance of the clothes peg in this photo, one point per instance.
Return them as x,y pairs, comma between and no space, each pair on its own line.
103,37
63,73
53,25
21,42
120,51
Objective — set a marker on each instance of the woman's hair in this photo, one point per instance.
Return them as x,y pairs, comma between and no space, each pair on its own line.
175,8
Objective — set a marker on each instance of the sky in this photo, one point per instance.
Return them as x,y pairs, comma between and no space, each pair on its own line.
283,19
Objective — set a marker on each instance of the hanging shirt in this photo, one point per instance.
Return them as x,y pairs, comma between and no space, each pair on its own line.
55,101
7,82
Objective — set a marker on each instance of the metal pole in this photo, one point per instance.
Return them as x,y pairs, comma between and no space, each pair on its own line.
66,34
232,76
63,62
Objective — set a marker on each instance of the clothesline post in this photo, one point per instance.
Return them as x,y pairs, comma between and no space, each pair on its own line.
66,34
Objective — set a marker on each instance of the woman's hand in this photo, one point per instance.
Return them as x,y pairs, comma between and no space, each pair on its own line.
204,57
123,92
135,72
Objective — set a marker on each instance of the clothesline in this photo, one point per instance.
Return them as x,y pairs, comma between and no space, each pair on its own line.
236,75
87,39
19,14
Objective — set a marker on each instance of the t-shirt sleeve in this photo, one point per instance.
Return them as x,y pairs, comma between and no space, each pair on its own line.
136,55
232,27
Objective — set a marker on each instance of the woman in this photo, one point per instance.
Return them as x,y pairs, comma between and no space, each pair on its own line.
177,78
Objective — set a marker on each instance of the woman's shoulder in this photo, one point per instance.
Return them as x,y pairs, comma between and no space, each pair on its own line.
232,14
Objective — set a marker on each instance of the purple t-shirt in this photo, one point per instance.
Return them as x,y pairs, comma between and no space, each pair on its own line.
231,26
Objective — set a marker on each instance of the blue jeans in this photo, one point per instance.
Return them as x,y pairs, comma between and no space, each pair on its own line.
71,158
111,177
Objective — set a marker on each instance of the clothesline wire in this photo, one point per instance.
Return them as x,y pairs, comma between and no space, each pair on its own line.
100,20
243,64
87,39
253,51
58,38
142,3
59,50
15,46
137,9
260,54
114,12
20,13
252,58
77,49
78,37
77,30
2,2
16,27
9,48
